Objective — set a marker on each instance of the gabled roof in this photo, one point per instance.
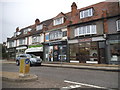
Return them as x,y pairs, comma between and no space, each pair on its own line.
61,14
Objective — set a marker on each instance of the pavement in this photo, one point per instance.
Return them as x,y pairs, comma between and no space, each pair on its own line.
103,67
14,76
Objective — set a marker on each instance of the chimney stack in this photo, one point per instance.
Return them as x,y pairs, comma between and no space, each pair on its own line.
37,21
73,9
17,29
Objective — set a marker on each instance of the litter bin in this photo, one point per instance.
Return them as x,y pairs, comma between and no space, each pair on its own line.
24,67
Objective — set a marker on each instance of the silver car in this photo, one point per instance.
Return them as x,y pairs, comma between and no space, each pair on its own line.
33,59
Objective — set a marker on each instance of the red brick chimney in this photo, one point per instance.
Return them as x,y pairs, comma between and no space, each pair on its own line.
104,14
73,9
17,29
37,21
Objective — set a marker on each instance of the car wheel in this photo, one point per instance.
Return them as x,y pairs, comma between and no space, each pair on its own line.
40,64
17,63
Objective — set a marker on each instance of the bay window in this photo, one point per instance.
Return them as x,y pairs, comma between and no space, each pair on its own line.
35,39
85,30
21,41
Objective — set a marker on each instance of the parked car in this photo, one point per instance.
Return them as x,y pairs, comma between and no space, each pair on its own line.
33,59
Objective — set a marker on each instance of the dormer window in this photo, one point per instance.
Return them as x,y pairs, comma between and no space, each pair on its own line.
39,27
58,21
86,13
17,33
118,25
26,30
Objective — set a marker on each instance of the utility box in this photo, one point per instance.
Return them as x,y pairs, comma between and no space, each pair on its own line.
24,67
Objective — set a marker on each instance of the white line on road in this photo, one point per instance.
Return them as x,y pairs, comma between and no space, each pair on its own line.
72,86
94,86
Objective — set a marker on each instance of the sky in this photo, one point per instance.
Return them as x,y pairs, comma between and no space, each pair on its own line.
22,13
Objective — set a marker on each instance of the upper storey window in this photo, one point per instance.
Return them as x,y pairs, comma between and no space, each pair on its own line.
85,30
86,13
26,30
118,25
58,21
17,33
39,27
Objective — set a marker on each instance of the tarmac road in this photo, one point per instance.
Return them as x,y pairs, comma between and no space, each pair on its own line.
53,77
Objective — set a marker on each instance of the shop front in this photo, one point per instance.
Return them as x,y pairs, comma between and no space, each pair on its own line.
88,50
37,50
55,51
11,53
21,49
113,49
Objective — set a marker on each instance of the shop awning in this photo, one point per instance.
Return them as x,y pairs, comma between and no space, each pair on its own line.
35,49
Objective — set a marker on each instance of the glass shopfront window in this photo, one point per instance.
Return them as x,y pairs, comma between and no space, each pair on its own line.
74,50
115,50
84,52
56,51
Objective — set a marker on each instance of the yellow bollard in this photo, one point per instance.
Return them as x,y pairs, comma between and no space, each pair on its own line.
24,67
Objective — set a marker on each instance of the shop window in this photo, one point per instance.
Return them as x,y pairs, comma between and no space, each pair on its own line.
115,51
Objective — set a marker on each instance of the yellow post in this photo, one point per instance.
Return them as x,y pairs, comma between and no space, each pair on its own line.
24,67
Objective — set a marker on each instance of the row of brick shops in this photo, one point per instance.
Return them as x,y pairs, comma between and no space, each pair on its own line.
87,35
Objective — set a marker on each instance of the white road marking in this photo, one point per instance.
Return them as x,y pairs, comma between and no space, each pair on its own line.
94,86
72,86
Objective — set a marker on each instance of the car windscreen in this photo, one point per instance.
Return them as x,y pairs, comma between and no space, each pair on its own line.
32,56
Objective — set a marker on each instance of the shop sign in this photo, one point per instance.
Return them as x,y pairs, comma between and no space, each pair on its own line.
57,43
33,46
85,40
24,47
98,39
72,41
114,41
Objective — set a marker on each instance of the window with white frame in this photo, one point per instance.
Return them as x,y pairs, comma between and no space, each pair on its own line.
118,25
85,30
26,30
17,33
86,13
35,39
39,27
55,35
58,21
21,41
11,44
64,33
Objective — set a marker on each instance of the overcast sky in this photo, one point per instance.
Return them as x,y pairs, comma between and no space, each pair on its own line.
22,13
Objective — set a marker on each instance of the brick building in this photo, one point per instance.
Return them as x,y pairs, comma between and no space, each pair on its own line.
87,35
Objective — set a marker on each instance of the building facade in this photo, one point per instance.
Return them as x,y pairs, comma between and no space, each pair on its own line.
87,35
91,37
